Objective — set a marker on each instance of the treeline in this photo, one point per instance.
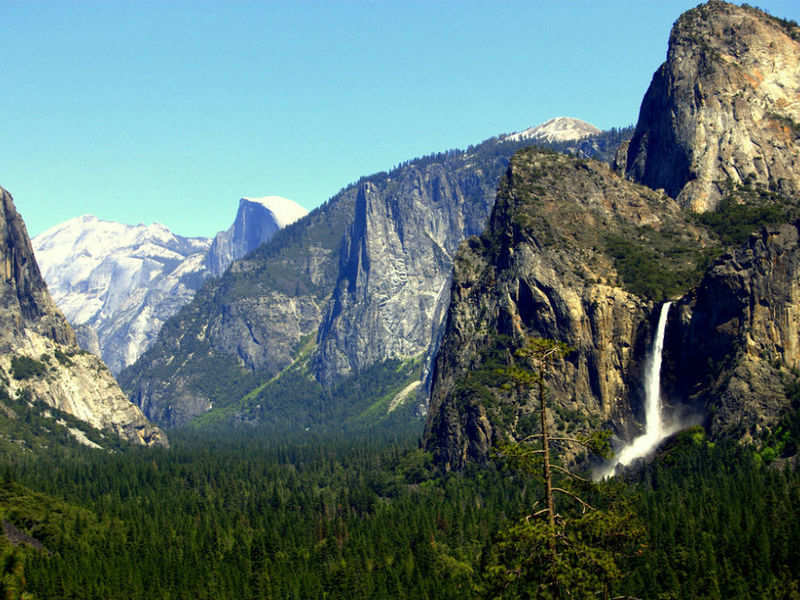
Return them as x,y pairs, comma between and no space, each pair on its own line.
259,519
247,517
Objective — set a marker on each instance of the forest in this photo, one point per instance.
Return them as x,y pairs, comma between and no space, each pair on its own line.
244,515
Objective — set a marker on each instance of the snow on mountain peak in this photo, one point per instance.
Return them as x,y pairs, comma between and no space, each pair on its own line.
118,283
284,211
560,129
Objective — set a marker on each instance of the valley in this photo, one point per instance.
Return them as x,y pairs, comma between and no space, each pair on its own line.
560,363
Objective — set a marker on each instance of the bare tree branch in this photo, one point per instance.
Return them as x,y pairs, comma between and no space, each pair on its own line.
537,513
555,439
583,503
568,472
569,439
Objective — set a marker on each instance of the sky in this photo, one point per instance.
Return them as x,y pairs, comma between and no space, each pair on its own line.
170,111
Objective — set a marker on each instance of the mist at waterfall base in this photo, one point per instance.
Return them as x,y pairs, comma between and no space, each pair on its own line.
655,428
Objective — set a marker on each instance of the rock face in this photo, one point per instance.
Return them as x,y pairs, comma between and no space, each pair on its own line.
737,336
35,333
723,109
543,269
256,222
395,265
24,300
360,280
117,284
719,122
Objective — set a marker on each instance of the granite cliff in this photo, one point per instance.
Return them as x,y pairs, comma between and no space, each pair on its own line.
359,282
395,263
723,109
715,230
117,284
549,265
257,220
40,360
734,341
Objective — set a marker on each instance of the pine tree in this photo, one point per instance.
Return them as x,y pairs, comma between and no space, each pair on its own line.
550,554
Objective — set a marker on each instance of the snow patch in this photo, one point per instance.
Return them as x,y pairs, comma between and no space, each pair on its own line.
560,129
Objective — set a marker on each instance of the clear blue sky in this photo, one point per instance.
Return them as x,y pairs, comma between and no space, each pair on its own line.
169,111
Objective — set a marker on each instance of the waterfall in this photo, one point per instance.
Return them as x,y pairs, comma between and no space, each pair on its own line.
654,430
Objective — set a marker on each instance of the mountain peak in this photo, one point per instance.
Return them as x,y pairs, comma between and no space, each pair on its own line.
284,211
722,110
559,129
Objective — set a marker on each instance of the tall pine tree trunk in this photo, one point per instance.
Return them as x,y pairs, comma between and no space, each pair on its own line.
548,481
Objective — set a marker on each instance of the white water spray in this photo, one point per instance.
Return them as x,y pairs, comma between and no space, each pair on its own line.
654,430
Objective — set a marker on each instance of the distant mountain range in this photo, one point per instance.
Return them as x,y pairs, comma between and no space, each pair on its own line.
318,319
358,285
117,284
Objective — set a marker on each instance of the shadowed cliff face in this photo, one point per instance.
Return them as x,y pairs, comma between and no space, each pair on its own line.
722,110
543,269
32,329
736,338
24,300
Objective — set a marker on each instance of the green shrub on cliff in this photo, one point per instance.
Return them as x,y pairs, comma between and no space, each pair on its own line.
23,367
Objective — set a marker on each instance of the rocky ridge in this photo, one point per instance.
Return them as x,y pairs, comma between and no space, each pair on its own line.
734,341
717,133
545,267
117,284
723,109
40,359
360,281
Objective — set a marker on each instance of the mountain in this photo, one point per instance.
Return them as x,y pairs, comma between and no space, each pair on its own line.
545,267
256,221
573,252
117,284
356,290
560,129
733,342
722,110
41,365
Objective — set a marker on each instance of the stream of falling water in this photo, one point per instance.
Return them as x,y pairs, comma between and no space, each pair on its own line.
654,430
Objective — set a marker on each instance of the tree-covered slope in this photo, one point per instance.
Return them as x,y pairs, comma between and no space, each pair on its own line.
260,517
